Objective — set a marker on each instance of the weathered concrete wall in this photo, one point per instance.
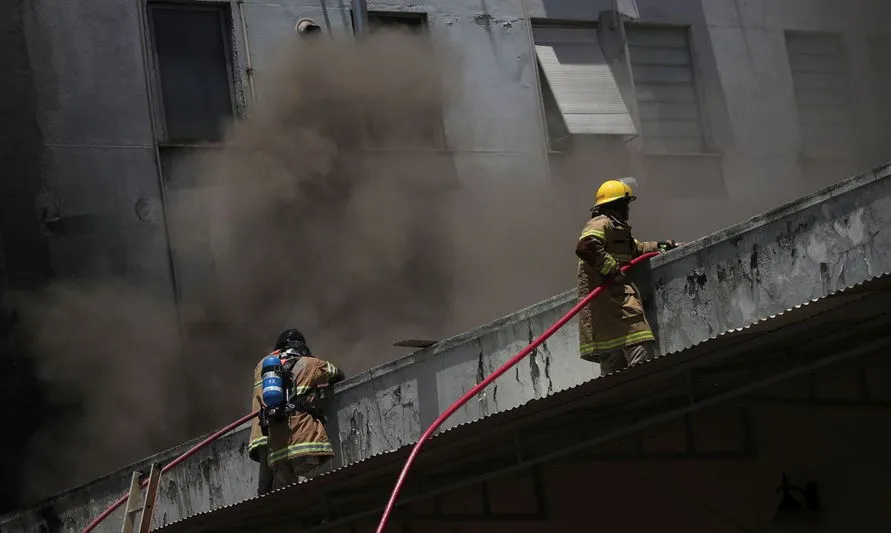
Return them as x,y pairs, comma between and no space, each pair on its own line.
218,475
831,240
389,406
99,158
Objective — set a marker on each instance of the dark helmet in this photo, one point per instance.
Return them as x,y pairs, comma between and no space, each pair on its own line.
292,338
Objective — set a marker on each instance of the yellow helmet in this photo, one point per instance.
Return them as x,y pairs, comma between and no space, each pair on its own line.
613,190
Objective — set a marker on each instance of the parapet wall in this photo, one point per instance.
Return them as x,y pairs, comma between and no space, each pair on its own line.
830,240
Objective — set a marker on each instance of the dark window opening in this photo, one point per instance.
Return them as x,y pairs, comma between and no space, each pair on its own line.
192,56
411,22
426,131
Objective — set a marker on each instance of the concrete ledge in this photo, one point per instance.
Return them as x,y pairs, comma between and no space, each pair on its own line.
835,238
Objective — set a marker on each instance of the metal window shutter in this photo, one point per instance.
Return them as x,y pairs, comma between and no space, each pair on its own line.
627,8
666,90
822,94
582,83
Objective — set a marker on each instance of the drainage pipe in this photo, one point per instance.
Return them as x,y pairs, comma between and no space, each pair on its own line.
360,16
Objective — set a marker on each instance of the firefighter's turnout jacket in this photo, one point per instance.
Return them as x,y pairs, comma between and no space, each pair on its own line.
614,319
303,432
257,442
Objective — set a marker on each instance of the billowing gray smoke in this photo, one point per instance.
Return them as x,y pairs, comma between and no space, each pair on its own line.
109,357
333,210
316,223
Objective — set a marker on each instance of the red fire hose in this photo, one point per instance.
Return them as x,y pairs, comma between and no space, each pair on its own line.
222,431
427,434
492,377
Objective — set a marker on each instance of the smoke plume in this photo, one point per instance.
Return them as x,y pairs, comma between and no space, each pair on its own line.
335,209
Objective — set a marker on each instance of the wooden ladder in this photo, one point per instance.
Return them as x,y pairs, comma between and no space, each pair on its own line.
136,502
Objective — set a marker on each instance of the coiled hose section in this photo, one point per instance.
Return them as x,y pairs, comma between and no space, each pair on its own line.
492,377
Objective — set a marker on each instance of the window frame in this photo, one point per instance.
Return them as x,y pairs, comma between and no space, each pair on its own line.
440,137
419,15
227,25
566,143
847,70
708,149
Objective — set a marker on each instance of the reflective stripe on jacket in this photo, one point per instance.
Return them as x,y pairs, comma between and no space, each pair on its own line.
257,441
615,319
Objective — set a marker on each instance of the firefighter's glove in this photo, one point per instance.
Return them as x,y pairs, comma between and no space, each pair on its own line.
264,422
665,246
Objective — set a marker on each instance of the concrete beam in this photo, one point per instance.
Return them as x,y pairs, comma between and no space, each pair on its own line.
833,239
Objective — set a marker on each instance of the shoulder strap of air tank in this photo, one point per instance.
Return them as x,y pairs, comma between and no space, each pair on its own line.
291,363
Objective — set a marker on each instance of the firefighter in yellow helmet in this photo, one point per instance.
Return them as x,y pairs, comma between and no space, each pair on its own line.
613,330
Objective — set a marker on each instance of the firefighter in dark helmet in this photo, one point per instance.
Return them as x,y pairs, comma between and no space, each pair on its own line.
613,330
293,434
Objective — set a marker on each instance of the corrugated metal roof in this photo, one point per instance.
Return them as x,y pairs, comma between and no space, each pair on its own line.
808,316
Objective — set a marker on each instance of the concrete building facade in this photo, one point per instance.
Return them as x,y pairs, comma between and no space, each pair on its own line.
721,108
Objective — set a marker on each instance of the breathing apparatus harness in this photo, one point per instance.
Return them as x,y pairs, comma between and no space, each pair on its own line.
279,400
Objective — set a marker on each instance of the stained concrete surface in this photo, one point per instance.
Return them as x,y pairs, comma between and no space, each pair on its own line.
833,239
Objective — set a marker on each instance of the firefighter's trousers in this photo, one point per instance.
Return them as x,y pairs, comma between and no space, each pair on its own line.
626,356
287,472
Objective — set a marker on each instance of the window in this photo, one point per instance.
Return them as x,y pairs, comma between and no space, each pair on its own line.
665,87
581,95
822,93
400,21
411,22
558,132
192,63
426,130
